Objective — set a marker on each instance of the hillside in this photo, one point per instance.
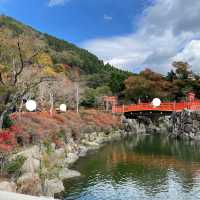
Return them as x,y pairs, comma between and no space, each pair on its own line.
61,52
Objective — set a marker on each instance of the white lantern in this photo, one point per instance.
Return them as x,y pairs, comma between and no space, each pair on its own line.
31,105
63,107
156,102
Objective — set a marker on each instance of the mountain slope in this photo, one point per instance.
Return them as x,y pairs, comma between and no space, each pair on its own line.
59,50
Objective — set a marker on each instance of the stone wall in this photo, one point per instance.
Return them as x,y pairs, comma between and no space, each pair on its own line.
186,125
146,125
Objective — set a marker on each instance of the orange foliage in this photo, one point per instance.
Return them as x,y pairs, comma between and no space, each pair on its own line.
42,125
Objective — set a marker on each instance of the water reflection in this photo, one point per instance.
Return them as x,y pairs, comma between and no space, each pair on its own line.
145,167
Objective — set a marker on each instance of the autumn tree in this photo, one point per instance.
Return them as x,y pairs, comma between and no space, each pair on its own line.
146,85
181,69
18,76
137,87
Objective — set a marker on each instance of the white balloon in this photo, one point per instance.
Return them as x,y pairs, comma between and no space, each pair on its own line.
156,102
63,107
31,105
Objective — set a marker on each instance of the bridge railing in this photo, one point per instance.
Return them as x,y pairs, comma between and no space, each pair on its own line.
166,106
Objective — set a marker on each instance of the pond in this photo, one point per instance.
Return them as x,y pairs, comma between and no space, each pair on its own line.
139,168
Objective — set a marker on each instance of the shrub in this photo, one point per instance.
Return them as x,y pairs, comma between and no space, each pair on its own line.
48,146
7,141
61,134
13,167
7,122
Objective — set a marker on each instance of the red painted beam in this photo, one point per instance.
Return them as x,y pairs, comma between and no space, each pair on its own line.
164,107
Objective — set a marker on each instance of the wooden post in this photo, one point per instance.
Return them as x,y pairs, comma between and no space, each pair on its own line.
52,104
77,97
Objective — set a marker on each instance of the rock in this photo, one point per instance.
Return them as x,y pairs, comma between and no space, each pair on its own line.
86,137
92,145
30,165
25,177
69,148
29,184
114,136
188,120
67,174
53,186
188,128
141,128
53,146
101,140
71,158
59,153
196,124
186,124
30,152
32,162
124,120
82,150
101,135
198,115
92,137
8,186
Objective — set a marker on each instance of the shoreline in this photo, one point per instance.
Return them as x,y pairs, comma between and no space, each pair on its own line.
48,167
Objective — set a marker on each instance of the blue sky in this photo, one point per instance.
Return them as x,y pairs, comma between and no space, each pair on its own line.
77,20
129,34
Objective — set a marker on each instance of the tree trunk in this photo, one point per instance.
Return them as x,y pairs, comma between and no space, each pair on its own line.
1,119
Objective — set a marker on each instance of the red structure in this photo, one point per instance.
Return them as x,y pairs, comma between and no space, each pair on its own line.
192,104
191,96
110,101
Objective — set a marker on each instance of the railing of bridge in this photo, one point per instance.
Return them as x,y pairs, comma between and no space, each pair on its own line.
165,107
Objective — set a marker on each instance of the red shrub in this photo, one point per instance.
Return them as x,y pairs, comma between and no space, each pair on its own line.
7,141
15,130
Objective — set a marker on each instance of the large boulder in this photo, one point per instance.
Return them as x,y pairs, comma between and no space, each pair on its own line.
53,186
8,186
31,165
29,184
59,153
82,150
33,151
32,162
71,158
67,173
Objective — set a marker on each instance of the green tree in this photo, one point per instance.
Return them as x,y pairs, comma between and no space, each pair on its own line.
93,97
182,69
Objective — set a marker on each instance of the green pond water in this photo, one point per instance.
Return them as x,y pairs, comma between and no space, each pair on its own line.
138,168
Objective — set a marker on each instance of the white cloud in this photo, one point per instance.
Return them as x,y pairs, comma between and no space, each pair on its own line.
53,3
164,29
107,17
191,54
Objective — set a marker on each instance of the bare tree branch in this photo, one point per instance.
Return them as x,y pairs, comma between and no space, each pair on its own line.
22,64
1,80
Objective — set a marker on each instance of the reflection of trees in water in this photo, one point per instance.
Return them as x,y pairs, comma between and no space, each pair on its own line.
148,159
142,162
162,145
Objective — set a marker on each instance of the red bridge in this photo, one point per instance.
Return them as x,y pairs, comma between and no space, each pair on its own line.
164,107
